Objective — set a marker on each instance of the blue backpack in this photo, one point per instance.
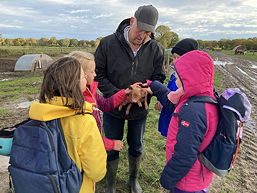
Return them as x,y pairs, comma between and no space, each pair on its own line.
234,109
39,162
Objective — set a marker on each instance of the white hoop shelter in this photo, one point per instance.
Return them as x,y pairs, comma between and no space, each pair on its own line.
33,62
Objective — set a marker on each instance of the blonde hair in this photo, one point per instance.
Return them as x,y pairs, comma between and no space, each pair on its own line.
83,57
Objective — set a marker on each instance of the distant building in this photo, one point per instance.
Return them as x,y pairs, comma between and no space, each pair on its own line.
240,49
33,62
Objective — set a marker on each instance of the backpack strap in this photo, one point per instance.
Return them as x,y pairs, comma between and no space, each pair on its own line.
15,126
59,126
175,114
199,99
202,99
9,131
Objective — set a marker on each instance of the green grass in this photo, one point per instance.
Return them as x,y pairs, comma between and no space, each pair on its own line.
12,98
248,55
5,58
13,89
6,51
218,81
4,111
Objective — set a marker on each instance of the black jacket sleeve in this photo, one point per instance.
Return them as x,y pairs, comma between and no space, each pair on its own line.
106,87
159,73
191,130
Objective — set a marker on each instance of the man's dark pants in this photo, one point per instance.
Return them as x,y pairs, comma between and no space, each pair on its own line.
114,129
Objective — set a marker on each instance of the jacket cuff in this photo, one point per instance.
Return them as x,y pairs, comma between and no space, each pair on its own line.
149,82
108,144
156,86
119,97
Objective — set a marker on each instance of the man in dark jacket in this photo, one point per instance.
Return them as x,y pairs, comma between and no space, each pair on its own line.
129,55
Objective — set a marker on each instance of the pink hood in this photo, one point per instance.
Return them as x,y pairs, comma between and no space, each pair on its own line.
196,72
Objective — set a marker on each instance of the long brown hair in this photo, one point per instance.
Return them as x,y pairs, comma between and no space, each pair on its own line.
62,78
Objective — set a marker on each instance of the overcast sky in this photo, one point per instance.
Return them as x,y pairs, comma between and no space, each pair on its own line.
89,19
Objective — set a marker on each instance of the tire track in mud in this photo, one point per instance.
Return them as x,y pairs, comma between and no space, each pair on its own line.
237,82
243,177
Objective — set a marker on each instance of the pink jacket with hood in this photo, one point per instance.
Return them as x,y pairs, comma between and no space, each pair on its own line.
191,131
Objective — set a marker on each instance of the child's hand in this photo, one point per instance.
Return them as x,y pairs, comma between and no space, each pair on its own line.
118,145
149,91
158,106
129,89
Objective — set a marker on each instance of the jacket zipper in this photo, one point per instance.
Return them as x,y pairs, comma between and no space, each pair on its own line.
132,70
131,55
134,64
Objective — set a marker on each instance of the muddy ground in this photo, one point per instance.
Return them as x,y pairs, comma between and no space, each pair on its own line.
8,64
237,73
241,73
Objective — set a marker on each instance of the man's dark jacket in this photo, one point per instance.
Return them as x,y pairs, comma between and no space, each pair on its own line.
117,68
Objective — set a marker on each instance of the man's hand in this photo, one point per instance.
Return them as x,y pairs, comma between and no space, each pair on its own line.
146,85
129,89
149,91
118,145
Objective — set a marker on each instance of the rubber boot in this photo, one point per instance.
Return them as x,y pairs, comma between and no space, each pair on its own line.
134,164
112,167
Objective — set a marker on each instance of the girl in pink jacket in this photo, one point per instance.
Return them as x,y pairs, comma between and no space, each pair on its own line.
192,127
100,103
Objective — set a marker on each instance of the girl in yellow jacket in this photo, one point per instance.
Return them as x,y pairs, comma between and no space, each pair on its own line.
61,97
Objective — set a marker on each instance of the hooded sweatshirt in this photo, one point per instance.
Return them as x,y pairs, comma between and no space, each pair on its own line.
84,142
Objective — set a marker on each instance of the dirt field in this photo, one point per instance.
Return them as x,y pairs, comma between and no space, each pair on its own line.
237,73
7,64
241,74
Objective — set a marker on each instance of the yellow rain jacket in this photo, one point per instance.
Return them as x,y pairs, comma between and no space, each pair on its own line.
84,142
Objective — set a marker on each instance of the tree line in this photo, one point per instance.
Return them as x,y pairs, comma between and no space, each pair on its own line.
163,34
227,44
52,42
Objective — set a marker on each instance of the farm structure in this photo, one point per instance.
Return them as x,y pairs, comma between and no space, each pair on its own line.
33,62
240,49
